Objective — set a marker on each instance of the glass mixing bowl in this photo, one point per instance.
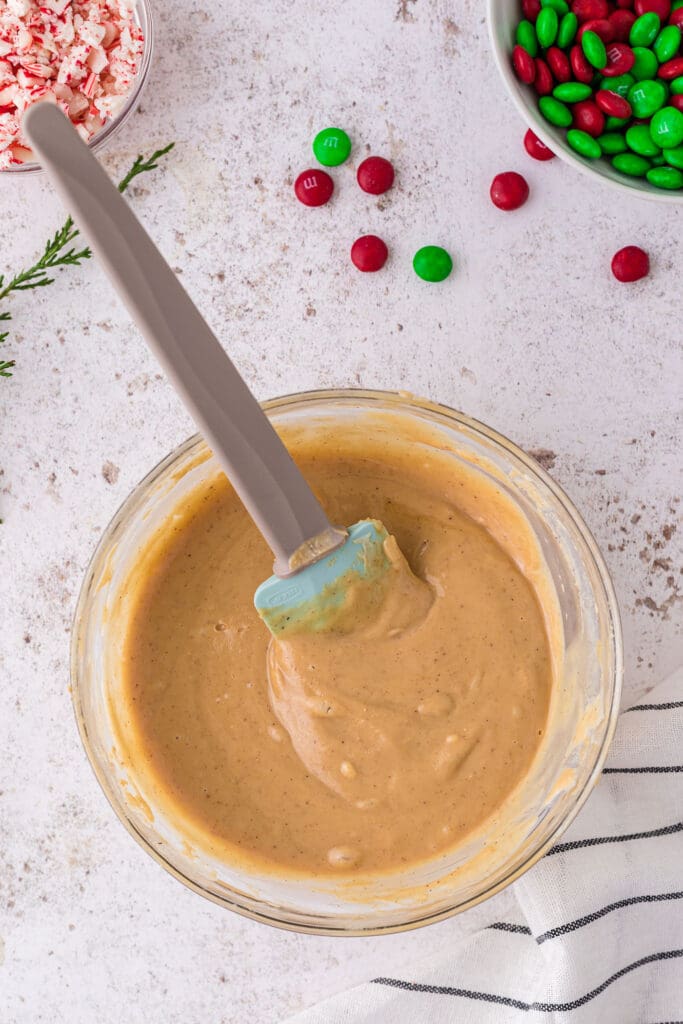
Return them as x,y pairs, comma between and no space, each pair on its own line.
581,720
143,14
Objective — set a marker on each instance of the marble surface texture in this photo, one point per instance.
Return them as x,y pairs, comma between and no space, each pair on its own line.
531,334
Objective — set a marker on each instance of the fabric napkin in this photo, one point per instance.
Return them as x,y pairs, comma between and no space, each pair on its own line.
597,937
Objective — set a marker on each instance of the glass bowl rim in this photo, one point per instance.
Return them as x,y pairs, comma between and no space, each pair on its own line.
111,127
405,403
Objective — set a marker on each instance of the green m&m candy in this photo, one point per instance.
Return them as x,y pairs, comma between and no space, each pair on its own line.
584,144
594,49
572,92
612,143
674,157
639,140
667,43
547,24
666,128
555,111
647,97
645,29
566,33
620,84
432,263
614,123
331,147
632,164
525,37
645,65
559,6
665,177
676,86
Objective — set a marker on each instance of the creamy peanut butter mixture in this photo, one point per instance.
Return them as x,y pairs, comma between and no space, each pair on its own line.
367,748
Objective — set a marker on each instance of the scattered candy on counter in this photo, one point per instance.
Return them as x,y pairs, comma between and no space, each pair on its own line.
331,147
375,175
602,69
432,263
82,55
630,264
313,187
369,253
510,190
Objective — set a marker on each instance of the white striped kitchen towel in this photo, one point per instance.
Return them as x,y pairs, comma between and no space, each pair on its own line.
598,933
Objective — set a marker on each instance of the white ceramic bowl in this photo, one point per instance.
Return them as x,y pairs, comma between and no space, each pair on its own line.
503,17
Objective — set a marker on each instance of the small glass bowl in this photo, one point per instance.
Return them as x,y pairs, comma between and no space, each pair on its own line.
581,720
143,11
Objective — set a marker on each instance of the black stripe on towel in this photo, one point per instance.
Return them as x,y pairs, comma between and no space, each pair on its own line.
668,706
519,1004
580,922
597,914
505,926
580,844
654,770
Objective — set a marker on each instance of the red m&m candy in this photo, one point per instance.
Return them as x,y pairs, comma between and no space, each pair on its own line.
375,175
535,148
583,71
612,104
620,60
369,253
630,264
544,81
671,68
314,187
531,9
524,66
509,191
602,28
621,22
589,118
558,62
662,8
587,10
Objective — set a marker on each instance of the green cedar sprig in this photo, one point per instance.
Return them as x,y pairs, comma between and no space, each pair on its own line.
59,252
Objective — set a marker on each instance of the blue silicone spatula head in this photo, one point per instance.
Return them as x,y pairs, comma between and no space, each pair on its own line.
313,597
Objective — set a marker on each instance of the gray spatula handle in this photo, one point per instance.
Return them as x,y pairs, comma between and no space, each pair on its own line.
251,453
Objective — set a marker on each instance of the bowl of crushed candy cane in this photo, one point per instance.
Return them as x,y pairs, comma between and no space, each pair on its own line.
90,57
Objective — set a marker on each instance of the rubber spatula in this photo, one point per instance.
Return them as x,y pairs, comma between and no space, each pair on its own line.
314,561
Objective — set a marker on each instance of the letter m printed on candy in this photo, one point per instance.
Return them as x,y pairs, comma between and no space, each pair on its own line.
313,187
331,147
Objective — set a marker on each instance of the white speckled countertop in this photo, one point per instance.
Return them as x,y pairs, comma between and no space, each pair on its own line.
531,334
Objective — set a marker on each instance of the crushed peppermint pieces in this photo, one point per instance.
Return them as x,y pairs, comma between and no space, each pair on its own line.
80,54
